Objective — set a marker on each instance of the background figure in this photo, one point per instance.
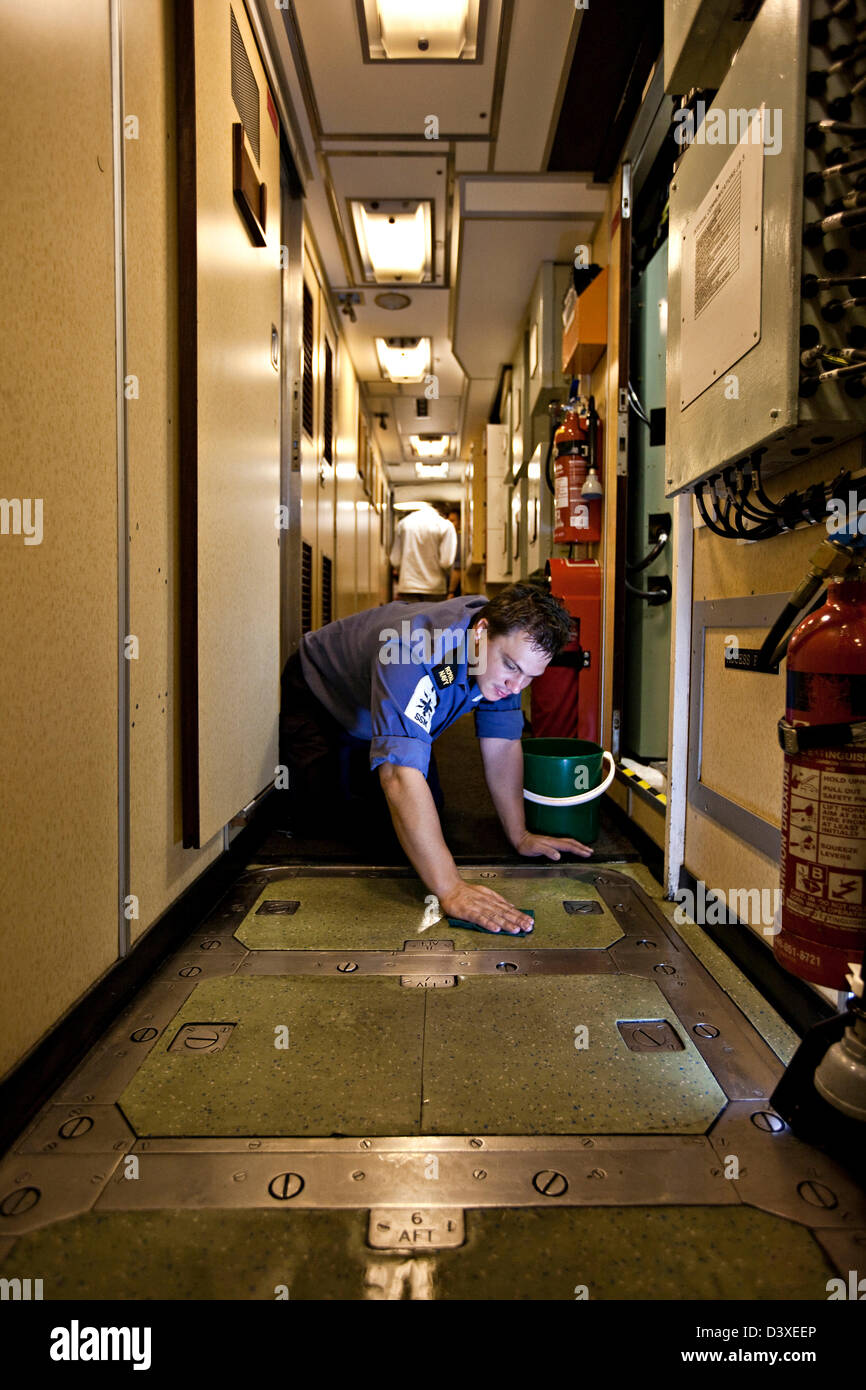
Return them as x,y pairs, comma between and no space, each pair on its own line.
454,586
424,550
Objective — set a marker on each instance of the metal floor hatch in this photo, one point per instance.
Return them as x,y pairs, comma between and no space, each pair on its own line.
336,1068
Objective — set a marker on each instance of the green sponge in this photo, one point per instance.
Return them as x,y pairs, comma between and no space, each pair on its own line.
473,926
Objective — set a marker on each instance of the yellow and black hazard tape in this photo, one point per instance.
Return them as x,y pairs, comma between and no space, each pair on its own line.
660,797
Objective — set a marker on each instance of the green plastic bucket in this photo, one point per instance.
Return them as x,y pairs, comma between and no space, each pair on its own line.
563,785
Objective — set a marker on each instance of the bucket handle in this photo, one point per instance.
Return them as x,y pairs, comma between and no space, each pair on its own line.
574,800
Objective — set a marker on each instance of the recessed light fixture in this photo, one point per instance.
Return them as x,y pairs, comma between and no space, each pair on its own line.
430,446
432,470
400,30
395,239
403,359
392,299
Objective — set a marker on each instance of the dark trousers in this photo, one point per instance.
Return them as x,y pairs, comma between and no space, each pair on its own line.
332,791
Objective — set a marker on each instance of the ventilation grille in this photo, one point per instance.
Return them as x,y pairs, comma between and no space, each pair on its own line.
245,89
327,599
328,446
308,362
306,587
422,407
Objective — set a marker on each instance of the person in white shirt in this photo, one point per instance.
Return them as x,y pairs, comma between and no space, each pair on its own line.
424,549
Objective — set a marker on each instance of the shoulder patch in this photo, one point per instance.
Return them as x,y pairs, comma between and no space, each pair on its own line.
444,675
422,705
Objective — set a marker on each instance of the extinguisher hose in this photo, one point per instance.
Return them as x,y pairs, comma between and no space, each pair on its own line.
547,476
775,643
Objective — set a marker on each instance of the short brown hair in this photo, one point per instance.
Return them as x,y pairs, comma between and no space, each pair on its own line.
530,609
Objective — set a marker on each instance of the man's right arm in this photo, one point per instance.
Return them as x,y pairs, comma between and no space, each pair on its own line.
416,822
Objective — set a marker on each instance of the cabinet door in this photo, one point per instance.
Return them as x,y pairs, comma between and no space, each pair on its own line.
498,509
230,303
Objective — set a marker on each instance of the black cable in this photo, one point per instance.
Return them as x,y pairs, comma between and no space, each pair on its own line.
653,555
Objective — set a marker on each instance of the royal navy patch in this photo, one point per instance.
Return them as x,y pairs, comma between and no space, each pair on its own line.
444,675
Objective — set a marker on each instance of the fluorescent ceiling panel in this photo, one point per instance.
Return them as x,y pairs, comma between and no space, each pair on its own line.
430,448
422,29
395,240
404,359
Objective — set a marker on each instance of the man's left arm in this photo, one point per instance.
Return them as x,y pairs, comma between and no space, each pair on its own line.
503,772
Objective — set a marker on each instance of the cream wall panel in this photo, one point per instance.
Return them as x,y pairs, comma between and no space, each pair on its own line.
726,569
238,442
742,758
348,487
58,617
740,754
651,821
160,868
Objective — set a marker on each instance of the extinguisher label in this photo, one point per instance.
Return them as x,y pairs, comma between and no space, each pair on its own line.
561,494
824,865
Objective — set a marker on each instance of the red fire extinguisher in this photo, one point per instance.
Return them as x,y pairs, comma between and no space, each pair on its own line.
577,446
823,735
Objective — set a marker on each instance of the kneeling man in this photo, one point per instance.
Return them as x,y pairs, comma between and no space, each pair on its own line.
376,689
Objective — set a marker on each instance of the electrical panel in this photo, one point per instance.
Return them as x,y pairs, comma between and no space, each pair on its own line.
750,253
544,344
701,37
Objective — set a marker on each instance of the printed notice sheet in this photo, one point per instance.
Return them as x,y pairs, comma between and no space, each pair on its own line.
721,260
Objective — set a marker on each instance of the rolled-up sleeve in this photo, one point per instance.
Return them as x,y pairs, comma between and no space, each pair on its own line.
499,718
403,704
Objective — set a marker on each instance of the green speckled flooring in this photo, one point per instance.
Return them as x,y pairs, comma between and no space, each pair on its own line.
493,1056
379,914
343,1037
499,1057
635,1253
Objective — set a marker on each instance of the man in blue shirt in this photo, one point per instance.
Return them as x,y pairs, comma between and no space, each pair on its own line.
381,685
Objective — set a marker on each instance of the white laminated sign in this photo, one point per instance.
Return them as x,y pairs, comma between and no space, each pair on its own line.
721,260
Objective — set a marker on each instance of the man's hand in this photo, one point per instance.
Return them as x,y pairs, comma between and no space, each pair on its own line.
551,845
484,907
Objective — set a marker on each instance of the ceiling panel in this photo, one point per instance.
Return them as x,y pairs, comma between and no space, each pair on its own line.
418,175
354,97
499,263
534,82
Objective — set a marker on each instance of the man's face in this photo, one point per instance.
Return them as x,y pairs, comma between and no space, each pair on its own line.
506,664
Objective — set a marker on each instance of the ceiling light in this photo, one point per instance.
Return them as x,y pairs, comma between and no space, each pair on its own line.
432,470
422,29
395,239
403,359
430,446
392,299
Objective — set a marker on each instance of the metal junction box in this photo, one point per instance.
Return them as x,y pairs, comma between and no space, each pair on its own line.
736,262
701,37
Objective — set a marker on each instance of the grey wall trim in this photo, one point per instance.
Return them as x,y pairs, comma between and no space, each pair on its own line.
758,610
123,888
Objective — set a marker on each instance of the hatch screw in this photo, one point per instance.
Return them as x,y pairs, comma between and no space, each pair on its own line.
480,1174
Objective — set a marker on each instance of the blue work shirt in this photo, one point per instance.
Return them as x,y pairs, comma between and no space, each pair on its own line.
401,674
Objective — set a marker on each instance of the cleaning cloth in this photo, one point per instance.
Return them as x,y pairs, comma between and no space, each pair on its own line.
473,926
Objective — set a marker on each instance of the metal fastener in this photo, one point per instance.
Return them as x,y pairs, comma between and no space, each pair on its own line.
766,1120
550,1183
285,1185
